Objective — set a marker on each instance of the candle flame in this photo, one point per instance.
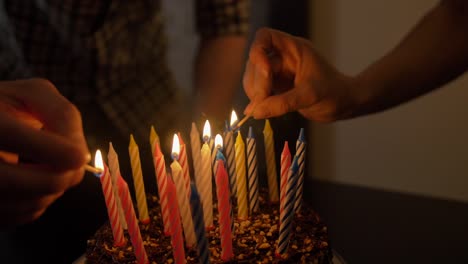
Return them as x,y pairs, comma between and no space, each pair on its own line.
98,162
218,141
175,146
233,118
207,131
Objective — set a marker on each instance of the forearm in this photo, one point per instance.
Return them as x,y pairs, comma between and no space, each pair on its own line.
432,54
218,69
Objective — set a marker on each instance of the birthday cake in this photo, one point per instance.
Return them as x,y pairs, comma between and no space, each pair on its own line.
255,240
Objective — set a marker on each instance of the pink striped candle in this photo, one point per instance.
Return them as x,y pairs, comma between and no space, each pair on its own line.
176,231
112,209
160,167
285,164
184,164
132,222
224,209
114,170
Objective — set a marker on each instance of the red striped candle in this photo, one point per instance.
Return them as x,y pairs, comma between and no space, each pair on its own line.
132,222
224,209
160,166
285,164
112,209
176,230
287,214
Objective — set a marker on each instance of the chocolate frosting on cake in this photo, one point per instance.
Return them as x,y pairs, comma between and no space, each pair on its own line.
254,239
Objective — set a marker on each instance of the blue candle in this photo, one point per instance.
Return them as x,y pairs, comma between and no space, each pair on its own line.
199,225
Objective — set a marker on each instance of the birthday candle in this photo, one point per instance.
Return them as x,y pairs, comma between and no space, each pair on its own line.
300,153
270,162
230,156
204,182
183,161
182,195
252,171
220,158
285,165
133,228
287,214
224,210
242,210
195,144
154,139
114,170
112,209
138,181
177,240
161,179
199,225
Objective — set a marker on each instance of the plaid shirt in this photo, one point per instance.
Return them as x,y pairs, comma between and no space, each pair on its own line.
109,53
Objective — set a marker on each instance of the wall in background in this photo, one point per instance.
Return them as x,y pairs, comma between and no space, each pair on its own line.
420,147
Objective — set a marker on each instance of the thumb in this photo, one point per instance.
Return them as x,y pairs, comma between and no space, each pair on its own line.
281,104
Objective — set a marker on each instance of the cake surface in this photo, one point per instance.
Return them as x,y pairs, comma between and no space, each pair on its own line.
254,239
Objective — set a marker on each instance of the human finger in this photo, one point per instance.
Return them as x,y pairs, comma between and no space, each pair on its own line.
42,100
39,146
281,104
35,180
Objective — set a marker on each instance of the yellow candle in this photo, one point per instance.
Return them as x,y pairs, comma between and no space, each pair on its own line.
138,181
195,141
204,179
154,139
242,209
270,162
114,169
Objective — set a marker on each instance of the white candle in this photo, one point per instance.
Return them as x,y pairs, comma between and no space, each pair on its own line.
182,195
252,171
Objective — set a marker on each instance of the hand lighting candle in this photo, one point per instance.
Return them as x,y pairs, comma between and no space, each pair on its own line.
112,209
182,195
204,182
138,181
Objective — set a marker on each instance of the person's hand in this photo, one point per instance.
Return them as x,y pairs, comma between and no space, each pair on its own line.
284,74
42,149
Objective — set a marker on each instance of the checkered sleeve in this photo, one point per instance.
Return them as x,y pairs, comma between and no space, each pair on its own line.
222,17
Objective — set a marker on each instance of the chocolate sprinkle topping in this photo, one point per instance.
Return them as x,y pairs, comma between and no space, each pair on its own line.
254,239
